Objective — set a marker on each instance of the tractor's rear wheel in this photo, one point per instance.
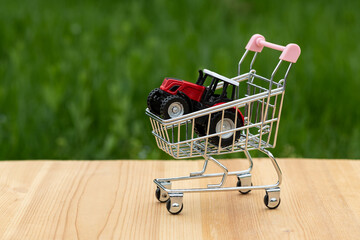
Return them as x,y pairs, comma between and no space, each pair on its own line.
228,123
173,106
200,129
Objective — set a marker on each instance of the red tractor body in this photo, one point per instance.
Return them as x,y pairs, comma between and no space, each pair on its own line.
177,97
192,90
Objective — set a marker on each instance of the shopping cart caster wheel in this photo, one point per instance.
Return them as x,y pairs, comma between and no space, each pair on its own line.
238,184
244,180
161,195
174,204
272,198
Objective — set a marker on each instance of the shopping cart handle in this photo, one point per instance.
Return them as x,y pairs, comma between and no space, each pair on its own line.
290,53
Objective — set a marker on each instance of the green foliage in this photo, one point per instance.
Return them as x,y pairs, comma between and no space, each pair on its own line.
75,75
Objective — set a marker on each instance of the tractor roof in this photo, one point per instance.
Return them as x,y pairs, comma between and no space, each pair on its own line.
218,76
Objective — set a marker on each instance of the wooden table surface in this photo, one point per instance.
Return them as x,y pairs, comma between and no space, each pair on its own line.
320,199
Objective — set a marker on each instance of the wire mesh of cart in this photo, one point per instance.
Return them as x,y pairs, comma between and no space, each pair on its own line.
251,120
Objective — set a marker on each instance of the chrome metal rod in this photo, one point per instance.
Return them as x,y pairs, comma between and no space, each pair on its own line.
248,156
223,180
275,164
193,174
160,180
214,109
214,189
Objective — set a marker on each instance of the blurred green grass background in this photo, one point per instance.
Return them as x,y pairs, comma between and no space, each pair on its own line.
75,74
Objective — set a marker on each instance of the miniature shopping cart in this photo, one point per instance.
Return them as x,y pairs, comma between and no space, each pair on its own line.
250,120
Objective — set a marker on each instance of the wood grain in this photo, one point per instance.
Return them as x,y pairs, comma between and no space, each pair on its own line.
320,199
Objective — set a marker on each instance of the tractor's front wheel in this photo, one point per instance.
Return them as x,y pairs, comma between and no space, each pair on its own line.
173,106
154,101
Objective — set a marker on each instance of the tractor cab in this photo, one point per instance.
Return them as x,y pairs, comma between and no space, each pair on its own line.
221,89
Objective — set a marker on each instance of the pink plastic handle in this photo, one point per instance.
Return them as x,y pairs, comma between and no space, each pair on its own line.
290,53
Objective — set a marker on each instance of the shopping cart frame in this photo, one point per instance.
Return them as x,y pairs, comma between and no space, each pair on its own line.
262,106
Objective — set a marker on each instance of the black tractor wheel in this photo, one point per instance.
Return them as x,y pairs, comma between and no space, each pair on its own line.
200,126
200,129
173,106
227,124
154,101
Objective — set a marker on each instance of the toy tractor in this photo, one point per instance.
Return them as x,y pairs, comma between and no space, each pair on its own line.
177,97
